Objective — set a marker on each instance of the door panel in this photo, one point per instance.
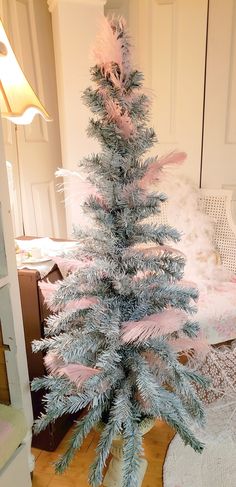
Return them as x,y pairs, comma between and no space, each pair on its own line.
12,161
170,44
219,144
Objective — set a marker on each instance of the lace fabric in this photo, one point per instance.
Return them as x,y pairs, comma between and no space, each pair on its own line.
216,466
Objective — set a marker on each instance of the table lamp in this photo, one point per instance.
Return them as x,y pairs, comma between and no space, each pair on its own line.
18,101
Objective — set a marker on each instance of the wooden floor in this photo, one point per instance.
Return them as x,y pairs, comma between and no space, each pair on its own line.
155,444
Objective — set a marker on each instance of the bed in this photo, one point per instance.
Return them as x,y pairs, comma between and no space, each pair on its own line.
217,301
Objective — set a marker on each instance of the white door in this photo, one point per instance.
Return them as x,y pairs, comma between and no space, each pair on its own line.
219,144
170,43
35,149
13,173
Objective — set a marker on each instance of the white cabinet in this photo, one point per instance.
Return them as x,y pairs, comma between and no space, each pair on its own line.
10,309
3,259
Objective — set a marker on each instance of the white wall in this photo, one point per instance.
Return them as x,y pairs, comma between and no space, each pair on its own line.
75,25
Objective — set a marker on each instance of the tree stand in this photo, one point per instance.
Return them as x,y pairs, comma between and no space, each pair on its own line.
114,474
113,477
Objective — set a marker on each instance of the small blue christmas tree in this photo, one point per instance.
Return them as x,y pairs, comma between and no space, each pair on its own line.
121,318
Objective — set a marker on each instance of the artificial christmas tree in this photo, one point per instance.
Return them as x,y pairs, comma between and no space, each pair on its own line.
121,317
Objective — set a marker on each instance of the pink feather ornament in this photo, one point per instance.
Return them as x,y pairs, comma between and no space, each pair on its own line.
107,48
158,249
153,326
154,171
48,289
108,52
122,120
53,362
76,373
83,303
67,265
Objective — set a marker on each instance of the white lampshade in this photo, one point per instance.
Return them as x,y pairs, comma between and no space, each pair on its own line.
18,101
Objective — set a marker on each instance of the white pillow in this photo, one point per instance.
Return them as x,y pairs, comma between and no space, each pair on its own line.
202,261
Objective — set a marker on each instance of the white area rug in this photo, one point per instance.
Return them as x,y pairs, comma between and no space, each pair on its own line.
216,466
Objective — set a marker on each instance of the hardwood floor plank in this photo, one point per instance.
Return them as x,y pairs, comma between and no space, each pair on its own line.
155,444
41,479
36,452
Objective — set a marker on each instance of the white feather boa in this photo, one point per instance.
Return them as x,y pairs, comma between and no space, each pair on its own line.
197,228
